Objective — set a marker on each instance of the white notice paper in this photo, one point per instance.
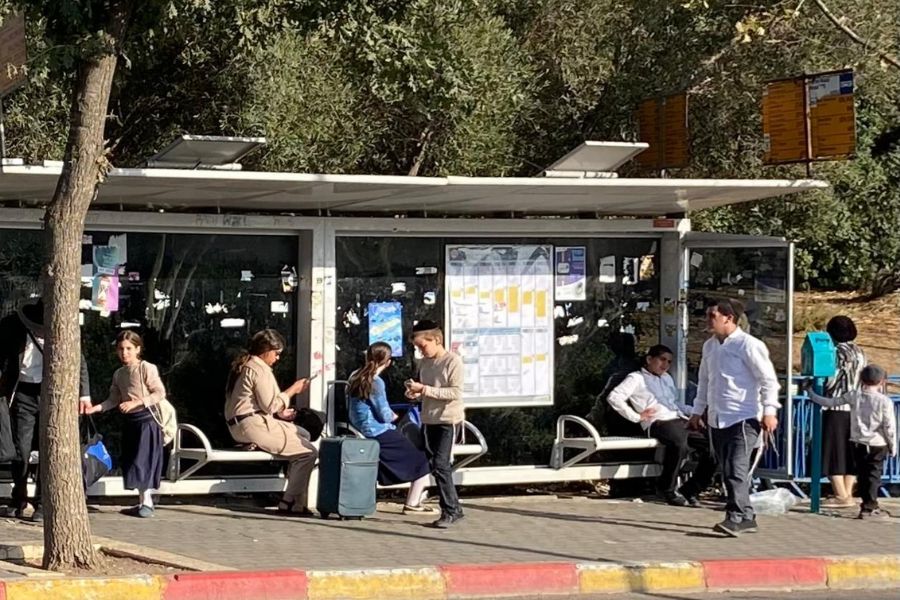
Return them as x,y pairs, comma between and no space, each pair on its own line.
500,300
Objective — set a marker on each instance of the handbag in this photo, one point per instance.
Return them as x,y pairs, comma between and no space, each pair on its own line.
162,412
410,425
313,421
95,459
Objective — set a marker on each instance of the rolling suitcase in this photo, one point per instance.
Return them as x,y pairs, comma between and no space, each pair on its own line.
348,474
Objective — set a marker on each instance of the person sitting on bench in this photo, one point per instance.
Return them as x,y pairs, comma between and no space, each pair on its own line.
649,397
258,412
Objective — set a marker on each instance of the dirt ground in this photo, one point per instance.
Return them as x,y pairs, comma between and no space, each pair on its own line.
877,321
117,565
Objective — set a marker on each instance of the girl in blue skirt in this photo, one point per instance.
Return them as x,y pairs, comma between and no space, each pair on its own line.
135,388
399,461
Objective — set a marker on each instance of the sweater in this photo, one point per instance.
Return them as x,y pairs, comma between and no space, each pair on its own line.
442,401
140,380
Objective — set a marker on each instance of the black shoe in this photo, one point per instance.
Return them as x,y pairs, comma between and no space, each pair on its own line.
447,520
693,501
38,515
874,514
675,499
729,528
444,522
732,529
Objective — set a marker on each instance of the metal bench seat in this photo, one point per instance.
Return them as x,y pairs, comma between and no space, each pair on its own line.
589,442
206,454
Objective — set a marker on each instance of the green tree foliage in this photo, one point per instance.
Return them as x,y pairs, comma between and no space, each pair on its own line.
502,87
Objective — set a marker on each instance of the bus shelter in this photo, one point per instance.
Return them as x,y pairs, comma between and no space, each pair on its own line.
541,284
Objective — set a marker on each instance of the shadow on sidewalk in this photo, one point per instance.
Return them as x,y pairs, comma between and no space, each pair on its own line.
652,526
439,536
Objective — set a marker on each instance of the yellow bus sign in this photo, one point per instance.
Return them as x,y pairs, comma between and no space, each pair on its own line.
809,118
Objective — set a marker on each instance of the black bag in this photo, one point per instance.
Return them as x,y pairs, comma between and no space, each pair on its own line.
410,425
312,421
7,447
95,459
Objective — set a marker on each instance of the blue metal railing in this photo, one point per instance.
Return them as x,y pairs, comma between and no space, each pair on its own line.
774,458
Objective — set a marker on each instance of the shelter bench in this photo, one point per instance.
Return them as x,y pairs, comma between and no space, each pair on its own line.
590,442
206,454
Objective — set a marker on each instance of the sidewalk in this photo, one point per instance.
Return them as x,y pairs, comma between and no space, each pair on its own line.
577,535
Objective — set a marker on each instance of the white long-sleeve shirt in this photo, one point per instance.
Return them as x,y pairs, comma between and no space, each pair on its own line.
737,381
642,390
872,419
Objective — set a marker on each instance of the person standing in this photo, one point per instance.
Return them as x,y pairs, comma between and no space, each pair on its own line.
439,387
21,374
136,388
649,397
258,412
737,388
837,451
873,432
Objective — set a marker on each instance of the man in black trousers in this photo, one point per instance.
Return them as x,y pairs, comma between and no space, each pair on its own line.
21,373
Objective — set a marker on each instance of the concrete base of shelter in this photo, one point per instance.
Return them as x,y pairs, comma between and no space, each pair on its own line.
461,581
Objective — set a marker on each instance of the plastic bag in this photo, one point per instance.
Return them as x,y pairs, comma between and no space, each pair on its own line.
773,502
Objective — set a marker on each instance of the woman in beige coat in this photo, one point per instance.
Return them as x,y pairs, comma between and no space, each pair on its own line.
259,412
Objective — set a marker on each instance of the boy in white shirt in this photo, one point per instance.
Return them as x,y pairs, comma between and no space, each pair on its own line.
649,397
873,432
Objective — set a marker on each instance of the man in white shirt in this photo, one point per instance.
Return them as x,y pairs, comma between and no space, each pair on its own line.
21,375
738,390
649,397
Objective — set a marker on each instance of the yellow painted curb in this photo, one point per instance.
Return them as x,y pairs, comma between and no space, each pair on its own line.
863,571
657,577
667,577
376,584
140,587
603,579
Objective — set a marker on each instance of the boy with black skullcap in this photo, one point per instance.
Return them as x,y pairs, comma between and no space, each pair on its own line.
440,388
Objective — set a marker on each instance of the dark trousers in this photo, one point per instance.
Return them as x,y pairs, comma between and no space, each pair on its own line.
438,446
869,462
679,442
734,446
24,416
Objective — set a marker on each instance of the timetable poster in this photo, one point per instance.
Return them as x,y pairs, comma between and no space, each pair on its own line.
500,308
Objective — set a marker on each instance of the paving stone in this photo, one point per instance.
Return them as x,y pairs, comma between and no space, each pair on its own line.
495,531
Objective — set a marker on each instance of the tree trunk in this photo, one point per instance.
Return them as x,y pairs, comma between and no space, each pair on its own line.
67,534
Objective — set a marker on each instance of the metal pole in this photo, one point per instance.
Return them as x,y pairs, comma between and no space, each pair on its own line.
815,475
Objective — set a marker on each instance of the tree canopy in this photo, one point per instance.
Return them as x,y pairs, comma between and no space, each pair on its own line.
501,87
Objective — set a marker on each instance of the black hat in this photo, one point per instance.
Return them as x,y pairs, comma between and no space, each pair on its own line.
425,325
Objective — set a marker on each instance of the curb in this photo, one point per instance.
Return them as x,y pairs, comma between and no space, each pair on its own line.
469,581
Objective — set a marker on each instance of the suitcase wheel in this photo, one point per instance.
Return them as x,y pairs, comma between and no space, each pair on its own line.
351,518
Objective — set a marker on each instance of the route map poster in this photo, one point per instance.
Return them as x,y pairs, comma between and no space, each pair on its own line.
500,321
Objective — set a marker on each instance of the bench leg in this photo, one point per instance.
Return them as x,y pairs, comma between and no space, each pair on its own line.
191,470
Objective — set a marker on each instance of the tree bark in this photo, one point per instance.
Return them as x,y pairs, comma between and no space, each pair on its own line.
67,534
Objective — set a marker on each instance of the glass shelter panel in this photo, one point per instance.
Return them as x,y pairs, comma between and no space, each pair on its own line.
759,276
194,298
756,277
385,284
